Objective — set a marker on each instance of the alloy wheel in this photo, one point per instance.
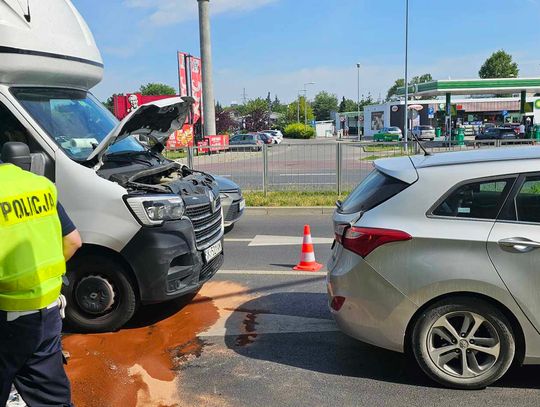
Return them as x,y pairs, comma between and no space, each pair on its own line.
463,344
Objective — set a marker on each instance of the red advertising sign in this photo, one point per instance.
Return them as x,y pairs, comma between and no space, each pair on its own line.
182,74
125,104
196,87
181,138
220,141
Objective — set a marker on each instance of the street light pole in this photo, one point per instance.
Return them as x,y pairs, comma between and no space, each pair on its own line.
298,106
358,101
406,125
305,101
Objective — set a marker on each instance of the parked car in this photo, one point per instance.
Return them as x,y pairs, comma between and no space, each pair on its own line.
513,126
266,138
438,256
251,142
388,134
424,132
232,201
497,133
278,136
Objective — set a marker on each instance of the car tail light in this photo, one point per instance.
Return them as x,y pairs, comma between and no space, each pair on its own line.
363,241
337,303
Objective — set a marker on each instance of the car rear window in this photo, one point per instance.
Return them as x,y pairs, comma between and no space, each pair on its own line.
376,188
478,200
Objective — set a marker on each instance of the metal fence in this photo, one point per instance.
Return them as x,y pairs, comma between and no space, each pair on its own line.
309,166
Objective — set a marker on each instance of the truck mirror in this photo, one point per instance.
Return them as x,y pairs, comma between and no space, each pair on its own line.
17,153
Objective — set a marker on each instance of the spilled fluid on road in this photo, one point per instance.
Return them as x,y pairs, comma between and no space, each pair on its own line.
139,366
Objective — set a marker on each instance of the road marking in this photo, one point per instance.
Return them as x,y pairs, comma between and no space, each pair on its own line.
275,272
270,240
308,174
233,323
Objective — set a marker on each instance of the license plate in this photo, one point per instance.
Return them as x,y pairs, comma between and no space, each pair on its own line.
242,205
213,251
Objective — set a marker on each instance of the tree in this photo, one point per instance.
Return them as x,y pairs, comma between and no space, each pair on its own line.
157,89
366,101
256,114
292,111
224,120
324,104
109,103
347,105
399,83
499,65
278,107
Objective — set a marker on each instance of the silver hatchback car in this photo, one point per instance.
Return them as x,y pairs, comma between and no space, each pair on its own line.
439,255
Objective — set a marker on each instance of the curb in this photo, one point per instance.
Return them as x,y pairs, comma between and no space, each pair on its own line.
290,210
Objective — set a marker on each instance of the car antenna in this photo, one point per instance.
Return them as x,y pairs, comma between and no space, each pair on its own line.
426,153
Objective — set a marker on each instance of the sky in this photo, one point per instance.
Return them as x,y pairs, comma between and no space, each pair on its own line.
277,46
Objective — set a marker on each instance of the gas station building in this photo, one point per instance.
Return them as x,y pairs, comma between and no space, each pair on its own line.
460,103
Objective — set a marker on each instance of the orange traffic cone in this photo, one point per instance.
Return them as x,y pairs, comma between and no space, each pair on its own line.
307,261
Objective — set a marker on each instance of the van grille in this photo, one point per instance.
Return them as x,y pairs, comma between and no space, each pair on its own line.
206,223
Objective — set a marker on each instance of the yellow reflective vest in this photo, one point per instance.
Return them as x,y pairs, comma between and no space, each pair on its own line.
31,255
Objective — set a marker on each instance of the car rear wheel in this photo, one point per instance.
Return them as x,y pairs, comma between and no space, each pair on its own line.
100,296
463,343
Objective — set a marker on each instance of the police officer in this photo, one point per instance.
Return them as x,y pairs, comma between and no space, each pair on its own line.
36,239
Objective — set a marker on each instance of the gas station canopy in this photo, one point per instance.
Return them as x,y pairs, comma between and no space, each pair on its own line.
473,87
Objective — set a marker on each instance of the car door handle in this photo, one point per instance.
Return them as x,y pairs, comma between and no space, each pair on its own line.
518,244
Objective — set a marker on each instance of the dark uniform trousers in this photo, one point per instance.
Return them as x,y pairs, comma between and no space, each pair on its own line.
31,359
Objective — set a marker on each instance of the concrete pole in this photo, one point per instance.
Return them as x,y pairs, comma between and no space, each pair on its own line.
358,101
406,124
207,81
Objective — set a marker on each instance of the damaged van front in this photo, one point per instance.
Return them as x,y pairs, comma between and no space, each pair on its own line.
152,228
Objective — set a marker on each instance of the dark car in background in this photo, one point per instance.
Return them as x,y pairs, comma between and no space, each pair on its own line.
497,133
232,201
266,138
253,142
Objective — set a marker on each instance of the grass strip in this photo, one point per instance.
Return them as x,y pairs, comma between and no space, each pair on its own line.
292,198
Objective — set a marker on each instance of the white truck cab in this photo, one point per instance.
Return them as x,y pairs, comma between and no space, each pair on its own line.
152,229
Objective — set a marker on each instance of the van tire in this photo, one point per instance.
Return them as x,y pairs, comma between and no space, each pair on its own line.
97,274
495,328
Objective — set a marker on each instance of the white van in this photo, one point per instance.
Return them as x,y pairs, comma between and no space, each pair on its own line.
152,229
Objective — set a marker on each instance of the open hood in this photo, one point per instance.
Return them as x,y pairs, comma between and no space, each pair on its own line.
156,120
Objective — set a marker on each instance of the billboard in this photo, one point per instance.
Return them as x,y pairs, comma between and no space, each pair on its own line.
182,73
181,138
377,120
196,87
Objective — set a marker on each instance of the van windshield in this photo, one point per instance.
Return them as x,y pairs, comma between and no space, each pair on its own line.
74,119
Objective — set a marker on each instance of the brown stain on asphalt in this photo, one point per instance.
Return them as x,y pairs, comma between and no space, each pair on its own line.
250,323
139,366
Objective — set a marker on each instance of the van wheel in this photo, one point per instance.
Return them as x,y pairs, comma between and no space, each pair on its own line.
463,343
100,296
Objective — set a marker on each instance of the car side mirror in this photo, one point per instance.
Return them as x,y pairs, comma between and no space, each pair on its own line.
17,153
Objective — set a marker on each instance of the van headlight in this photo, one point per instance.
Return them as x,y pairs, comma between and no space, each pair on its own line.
154,210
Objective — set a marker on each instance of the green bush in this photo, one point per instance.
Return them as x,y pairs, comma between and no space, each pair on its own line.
299,130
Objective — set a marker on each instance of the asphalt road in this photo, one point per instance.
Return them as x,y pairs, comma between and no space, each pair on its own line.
260,335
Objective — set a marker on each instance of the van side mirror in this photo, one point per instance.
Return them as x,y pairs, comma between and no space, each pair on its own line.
17,153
